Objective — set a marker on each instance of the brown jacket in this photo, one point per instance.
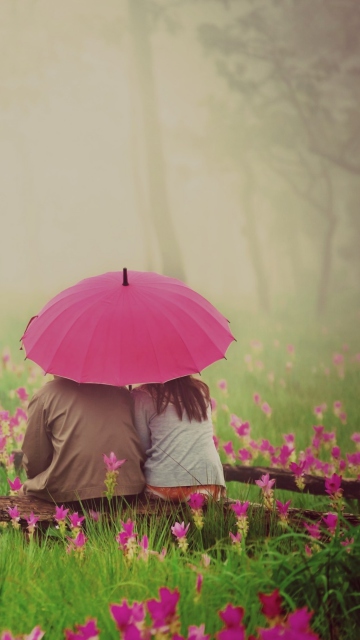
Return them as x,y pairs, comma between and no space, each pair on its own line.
70,427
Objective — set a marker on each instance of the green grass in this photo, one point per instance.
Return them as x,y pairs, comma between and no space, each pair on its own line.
42,584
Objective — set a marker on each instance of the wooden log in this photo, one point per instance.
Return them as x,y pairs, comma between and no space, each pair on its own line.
314,485
45,510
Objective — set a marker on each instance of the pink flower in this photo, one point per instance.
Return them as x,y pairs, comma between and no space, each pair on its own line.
328,436
240,509
15,485
199,581
296,627
318,411
127,617
242,429
338,359
355,438
22,394
331,520
229,449
283,508
222,385
313,530
111,462
332,485
290,348
335,452
297,469
213,404
60,513
179,530
94,515
32,520
76,520
196,501
163,611
79,541
235,538
244,455
289,438
265,407
343,417
232,618
197,633
35,634
265,483
14,513
88,631
319,430
271,604
257,398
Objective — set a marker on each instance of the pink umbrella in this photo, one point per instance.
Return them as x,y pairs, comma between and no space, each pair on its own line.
113,330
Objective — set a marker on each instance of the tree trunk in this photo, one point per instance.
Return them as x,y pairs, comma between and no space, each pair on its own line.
160,212
326,261
253,239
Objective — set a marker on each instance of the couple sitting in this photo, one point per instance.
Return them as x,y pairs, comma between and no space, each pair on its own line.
164,431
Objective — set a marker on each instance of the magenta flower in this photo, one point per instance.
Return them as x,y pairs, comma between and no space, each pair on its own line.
257,398
297,469
328,436
197,633
111,462
330,521
199,581
78,542
76,520
319,430
265,483
332,485
229,449
235,538
343,417
232,618
196,501
296,627
14,513
35,634
244,455
222,385
338,359
335,452
60,513
243,429
240,509
88,631
355,438
15,485
271,604
283,508
313,530
179,530
265,407
318,411
32,520
127,618
163,611
22,394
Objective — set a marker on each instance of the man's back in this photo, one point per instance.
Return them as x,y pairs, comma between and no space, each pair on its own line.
70,427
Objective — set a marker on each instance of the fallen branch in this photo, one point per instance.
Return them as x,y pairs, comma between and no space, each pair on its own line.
286,480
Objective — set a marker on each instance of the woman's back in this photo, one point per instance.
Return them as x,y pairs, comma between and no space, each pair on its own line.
179,452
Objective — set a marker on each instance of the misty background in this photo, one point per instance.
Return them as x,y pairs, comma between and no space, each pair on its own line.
217,141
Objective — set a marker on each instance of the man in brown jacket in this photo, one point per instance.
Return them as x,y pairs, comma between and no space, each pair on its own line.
70,427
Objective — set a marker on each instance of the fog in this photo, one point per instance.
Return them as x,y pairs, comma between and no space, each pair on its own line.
216,141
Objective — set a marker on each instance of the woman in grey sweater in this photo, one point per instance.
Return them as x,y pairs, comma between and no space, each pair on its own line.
174,424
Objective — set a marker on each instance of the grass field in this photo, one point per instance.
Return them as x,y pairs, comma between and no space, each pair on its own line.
299,368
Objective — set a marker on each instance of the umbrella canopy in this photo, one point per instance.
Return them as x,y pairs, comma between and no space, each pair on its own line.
124,328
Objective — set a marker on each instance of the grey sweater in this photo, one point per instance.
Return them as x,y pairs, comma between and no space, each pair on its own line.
179,453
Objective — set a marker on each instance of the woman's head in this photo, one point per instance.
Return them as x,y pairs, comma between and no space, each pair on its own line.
186,394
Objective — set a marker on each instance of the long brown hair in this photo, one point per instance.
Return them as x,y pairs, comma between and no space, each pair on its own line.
186,394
